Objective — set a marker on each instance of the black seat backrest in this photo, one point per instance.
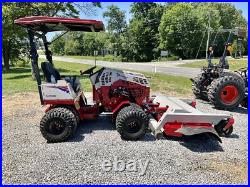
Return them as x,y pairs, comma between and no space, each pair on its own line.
49,70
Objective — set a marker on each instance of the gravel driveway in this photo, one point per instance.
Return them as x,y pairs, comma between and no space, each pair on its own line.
27,158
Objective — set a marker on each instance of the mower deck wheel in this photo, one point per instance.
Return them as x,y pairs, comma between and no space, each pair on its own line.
131,123
228,132
58,125
220,129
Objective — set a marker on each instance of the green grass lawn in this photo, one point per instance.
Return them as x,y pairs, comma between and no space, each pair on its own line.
18,79
109,58
234,64
169,84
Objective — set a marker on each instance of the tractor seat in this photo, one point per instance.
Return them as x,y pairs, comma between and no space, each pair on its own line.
52,75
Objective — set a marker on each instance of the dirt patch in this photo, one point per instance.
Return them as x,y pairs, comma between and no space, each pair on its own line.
13,104
236,171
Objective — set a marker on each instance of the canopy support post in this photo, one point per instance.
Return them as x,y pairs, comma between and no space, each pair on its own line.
34,62
48,53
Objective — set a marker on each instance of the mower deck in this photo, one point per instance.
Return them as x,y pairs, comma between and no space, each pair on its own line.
183,119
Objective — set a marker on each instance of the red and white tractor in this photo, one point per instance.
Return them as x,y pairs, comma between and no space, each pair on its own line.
124,94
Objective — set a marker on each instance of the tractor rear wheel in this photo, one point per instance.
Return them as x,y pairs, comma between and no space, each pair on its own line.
198,88
58,125
244,102
132,123
226,92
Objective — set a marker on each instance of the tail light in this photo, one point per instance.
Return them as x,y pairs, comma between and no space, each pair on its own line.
193,104
230,122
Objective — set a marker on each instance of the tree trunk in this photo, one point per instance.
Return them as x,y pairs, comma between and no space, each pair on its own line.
33,74
6,54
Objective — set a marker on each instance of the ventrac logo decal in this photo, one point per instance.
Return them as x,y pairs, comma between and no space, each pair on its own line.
62,88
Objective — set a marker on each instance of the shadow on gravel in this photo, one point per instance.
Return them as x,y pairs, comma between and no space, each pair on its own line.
196,143
239,110
148,138
103,122
236,136
79,136
201,143
88,126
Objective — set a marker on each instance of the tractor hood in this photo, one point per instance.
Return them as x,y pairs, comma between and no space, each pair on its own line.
50,24
108,76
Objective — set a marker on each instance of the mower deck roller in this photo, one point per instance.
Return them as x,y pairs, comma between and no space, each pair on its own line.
126,95
183,119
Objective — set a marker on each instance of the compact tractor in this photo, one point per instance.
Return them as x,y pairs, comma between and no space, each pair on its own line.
124,94
224,88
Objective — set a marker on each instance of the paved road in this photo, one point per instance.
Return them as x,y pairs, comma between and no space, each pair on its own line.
169,68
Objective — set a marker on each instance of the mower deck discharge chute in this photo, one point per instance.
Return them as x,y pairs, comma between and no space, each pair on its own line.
124,94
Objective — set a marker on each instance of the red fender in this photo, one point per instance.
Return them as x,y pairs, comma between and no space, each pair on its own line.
49,108
120,106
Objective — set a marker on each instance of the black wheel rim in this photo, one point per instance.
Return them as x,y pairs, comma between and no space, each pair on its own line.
228,131
56,127
133,126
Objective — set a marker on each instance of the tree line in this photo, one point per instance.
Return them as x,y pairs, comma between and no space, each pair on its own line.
154,27
175,27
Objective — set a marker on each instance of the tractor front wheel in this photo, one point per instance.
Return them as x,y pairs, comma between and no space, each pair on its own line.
132,123
226,92
58,125
198,87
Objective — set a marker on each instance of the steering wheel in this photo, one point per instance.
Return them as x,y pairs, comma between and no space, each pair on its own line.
88,71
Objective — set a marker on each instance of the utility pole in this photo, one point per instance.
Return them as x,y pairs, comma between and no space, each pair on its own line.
208,33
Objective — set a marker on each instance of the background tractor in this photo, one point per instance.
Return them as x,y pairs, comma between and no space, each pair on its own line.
225,89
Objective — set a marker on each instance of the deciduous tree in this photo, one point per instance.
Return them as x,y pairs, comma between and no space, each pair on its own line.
14,37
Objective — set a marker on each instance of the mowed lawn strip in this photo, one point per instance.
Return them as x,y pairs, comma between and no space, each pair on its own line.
234,64
108,58
19,79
